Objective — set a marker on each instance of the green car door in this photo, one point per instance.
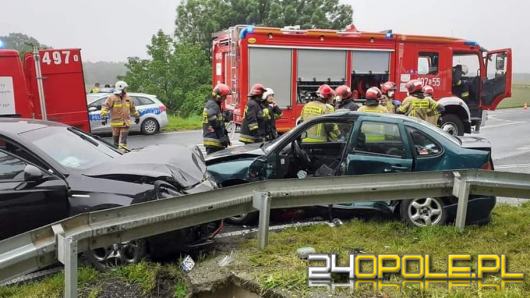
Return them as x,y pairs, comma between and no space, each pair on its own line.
377,146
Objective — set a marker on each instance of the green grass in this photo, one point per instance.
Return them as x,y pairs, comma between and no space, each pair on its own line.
145,275
177,123
520,96
278,267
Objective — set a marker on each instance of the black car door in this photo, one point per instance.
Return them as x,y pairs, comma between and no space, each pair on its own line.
29,196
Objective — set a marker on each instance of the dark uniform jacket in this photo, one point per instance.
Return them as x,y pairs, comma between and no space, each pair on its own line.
275,113
254,126
213,126
348,104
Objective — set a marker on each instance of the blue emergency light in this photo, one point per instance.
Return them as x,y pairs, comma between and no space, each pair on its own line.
1,43
246,31
471,43
389,34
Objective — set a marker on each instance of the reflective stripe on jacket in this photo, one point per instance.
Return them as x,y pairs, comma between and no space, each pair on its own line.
120,109
253,128
213,125
373,109
322,132
422,108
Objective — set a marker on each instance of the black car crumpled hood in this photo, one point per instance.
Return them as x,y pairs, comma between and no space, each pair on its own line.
250,149
171,161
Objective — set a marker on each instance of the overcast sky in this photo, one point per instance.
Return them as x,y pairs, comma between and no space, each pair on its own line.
112,30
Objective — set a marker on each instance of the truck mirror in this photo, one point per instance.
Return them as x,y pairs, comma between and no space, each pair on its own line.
500,62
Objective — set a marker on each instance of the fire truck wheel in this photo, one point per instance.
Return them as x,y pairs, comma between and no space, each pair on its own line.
150,126
452,124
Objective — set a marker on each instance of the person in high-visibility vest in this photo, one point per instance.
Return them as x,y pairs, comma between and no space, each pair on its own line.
417,105
388,89
428,92
214,133
373,97
253,128
121,108
95,89
345,98
320,133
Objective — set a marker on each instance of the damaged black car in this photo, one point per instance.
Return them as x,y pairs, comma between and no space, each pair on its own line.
49,171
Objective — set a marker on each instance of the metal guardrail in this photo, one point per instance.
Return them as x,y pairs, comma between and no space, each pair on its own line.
63,240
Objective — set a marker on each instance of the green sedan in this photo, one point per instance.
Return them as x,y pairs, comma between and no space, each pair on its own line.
354,143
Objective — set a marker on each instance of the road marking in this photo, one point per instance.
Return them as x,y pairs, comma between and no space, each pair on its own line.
503,124
513,166
179,132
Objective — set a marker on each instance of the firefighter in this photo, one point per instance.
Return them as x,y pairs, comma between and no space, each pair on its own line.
95,89
214,132
320,133
388,89
428,92
345,98
274,111
373,97
460,89
253,128
121,108
417,105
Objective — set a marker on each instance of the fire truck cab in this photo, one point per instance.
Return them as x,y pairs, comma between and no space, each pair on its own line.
467,79
48,84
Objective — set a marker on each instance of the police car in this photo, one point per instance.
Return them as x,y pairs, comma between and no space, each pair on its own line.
153,116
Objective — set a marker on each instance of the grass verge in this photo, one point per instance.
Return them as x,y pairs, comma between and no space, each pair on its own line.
144,279
278,267
177,123
520,96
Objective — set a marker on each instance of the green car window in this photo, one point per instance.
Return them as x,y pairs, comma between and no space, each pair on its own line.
380,138
424,146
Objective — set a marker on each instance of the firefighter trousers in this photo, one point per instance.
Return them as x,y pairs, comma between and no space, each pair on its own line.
119,135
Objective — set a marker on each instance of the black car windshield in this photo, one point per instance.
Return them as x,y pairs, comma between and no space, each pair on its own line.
69,147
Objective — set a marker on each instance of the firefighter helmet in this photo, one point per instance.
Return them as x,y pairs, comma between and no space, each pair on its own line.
268,92
414,86
427,90
325,92
344,92
257,90
388,86
120,86
220,91
373,93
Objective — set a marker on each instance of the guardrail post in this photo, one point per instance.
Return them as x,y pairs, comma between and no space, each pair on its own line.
461,191
67,254
262,202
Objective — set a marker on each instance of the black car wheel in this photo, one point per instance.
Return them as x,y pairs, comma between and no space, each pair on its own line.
423,212
150,126
129,252
452,124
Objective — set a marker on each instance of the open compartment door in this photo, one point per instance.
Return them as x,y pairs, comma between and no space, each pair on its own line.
498,83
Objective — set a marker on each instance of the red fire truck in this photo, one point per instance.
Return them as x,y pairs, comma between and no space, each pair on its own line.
48,84
467,79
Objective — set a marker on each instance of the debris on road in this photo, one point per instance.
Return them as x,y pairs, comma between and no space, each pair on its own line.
304,252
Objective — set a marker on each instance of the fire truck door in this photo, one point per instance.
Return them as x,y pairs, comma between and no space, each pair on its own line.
498,82
428,63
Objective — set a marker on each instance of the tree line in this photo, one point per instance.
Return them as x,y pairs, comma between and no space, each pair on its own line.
178,69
